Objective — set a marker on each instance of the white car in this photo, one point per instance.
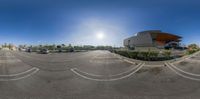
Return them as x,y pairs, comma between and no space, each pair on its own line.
44,51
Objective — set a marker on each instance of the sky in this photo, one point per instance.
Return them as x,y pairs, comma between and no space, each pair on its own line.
79,22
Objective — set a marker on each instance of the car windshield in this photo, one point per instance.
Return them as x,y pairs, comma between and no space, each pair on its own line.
99,49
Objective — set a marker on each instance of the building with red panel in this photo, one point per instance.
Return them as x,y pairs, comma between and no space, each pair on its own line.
153,38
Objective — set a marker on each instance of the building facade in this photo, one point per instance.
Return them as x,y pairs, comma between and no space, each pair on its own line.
152,38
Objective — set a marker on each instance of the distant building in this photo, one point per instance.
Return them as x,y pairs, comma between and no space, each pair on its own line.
8,47
13,47
152,38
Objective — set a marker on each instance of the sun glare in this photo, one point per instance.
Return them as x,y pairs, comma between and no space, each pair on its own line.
100,35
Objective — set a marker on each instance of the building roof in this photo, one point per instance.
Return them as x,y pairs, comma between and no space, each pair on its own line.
158,35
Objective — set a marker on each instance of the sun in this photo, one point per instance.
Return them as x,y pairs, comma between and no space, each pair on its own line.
100,35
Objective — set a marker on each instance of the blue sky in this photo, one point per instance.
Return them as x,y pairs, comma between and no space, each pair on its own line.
78,21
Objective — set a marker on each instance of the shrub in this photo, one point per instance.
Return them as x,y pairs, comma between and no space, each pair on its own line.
123,53
143,55
153,55
133,55
191,51
193,46
147,56
167,54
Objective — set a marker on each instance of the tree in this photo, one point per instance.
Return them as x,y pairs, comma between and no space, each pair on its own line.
70,45
71,48
59,46
193,46
63,45
10,46
40,46
54,46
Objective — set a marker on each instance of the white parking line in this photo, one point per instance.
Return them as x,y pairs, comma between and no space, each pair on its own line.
86,72
194,60
183,70
10,61
7,56
129,61
90,74
186,57
113,79
154,65
21,73
196,79
135,67
19,78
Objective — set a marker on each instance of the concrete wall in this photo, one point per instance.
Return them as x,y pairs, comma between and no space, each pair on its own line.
142,39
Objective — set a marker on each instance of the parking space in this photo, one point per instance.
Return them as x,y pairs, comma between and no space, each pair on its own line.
11,65
45,62
189,66
196,57
12,68
103,63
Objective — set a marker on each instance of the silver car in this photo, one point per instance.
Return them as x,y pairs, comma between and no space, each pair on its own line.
44,51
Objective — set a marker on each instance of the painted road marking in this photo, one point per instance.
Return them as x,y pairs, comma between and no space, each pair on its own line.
129,61
7,56
194,60
113,79
186,57
10,61
196,79
90,74
154,65
19,74
86,72
183,70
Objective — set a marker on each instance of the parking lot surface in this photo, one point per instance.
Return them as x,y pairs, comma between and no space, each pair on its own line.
95,75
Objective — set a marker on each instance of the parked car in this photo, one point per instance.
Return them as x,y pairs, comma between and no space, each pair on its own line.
60,51
44,51
29,50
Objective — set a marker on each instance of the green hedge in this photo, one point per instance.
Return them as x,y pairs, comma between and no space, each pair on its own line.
133,55
147,56
123,53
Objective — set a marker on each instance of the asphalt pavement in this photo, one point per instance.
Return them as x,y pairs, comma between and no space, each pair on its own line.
95,75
